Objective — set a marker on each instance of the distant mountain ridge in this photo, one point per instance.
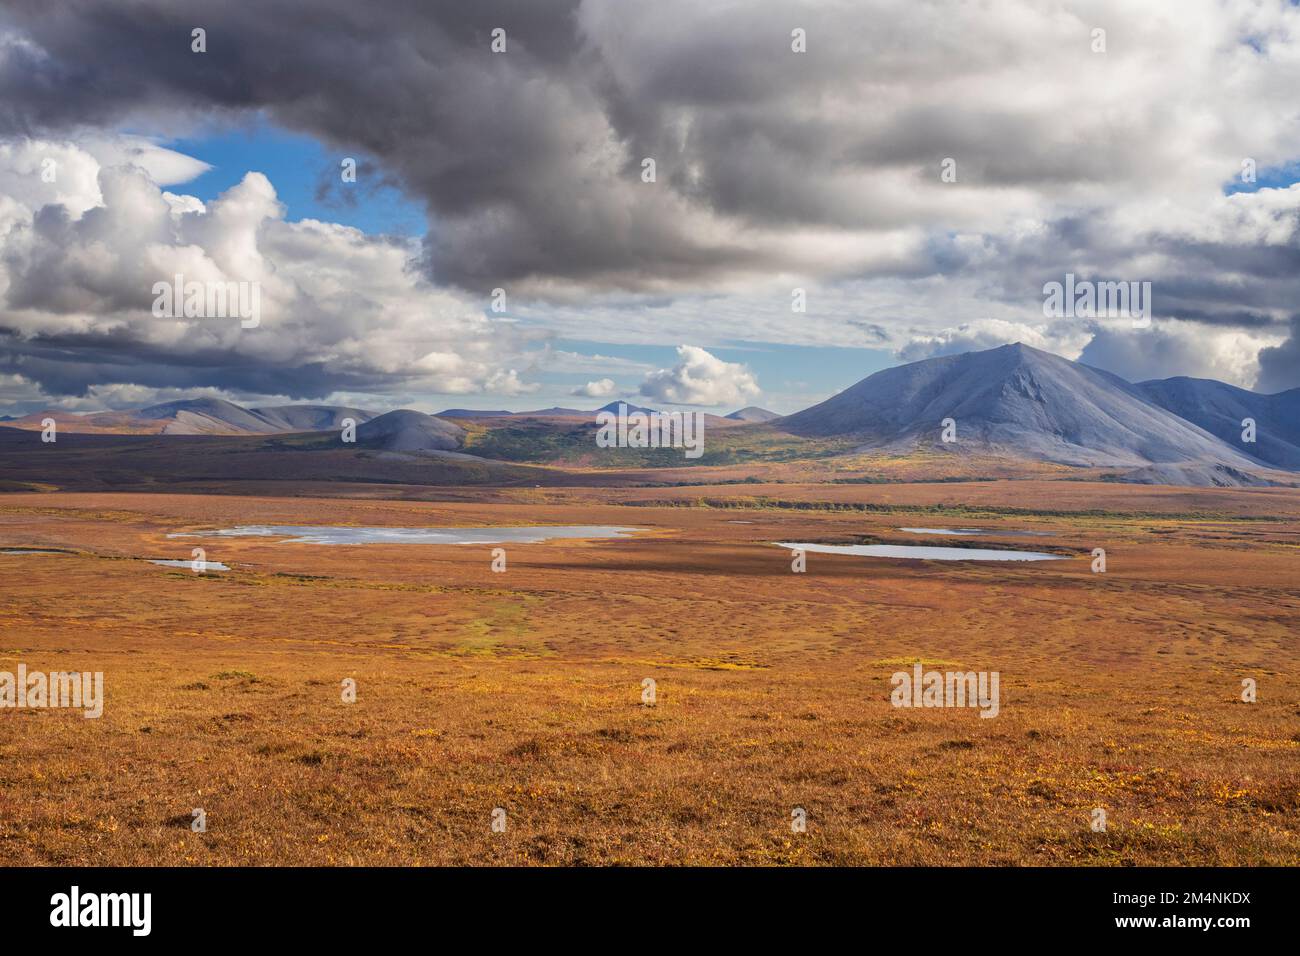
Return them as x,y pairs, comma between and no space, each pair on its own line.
202,416
1013,402
214,416
473,413
562,412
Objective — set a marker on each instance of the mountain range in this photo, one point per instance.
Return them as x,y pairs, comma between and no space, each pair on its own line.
1012,401
215,416
201,416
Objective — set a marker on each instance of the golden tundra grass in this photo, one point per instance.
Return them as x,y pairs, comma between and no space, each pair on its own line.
522,690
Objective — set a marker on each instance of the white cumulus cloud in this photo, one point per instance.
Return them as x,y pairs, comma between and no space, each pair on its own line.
601,388
700,378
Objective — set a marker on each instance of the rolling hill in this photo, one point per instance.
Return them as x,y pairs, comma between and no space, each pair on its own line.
410,431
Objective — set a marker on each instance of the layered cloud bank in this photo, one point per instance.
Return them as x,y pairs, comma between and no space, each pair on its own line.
341,311
919,171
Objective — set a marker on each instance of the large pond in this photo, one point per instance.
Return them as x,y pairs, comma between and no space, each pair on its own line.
325,534
179,563
922,552
978,531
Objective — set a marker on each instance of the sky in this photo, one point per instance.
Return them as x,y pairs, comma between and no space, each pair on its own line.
837,187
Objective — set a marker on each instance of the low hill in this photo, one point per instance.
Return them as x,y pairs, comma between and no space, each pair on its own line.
410,431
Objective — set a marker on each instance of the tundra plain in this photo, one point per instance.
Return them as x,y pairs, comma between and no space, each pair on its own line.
522,690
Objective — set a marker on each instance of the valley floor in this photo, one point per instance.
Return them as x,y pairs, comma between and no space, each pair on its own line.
522,690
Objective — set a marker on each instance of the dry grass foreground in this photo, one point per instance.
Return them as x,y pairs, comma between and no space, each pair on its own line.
522,690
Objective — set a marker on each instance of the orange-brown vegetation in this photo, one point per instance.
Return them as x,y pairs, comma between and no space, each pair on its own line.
522,690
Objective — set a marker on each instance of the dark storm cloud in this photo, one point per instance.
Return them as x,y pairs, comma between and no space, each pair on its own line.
1248,286
529,161
1279,368
371,179
493,143
71,365
824,164
411,83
